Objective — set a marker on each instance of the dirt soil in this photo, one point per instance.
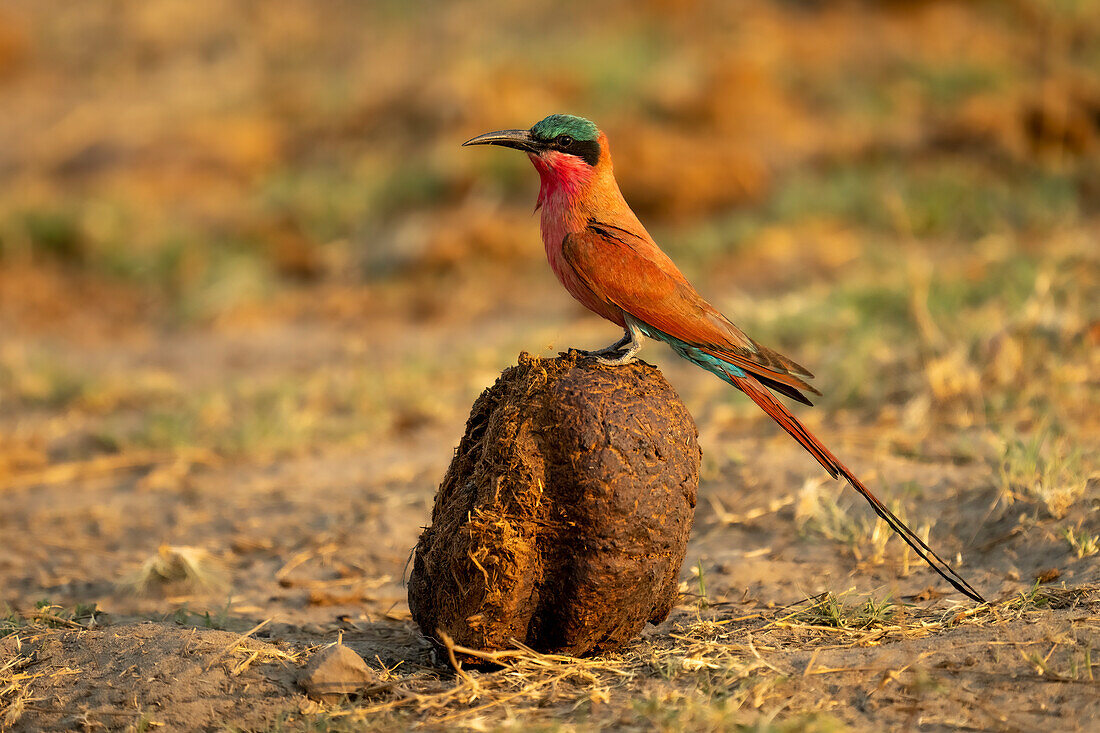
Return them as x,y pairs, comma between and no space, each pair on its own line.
315,546
251,285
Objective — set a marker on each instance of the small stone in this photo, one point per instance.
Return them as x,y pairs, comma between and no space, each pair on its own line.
1049,575
335,672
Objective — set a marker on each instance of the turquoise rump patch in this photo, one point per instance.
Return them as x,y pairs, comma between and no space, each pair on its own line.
692,353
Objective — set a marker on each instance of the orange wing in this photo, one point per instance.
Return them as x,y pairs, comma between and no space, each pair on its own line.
628,270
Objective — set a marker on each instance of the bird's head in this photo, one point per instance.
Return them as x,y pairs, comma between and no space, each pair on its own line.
565,149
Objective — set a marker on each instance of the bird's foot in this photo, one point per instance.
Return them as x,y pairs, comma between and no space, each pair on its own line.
618,356
626,358
609,356
614,349
622,351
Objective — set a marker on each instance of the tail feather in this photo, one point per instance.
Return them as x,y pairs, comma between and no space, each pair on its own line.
769,404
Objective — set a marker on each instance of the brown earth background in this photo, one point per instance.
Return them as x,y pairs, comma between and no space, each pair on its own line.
250,286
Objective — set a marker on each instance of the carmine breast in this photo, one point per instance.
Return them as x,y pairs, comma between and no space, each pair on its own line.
564,179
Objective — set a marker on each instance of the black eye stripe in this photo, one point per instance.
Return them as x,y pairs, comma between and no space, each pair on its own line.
586,150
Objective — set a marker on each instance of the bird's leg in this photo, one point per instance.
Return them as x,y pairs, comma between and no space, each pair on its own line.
614,348
632,340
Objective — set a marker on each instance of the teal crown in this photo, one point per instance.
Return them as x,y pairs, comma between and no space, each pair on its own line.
577,128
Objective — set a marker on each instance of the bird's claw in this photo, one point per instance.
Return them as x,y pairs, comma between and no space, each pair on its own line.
621,360
600,353
622,351
614,355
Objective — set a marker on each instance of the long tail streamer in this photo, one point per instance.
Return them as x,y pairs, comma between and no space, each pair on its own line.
769,404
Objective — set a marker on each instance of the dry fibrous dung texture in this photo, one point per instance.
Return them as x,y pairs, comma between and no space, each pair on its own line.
563,519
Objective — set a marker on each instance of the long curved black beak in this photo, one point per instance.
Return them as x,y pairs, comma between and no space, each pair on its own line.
518,139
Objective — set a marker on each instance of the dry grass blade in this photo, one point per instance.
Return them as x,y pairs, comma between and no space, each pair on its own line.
744,658
14,692
190,568
449,644
102,465
235,644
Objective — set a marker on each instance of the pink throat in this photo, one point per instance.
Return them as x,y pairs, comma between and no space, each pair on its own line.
563,177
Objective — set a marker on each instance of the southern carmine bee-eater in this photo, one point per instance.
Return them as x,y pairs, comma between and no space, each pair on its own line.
605,259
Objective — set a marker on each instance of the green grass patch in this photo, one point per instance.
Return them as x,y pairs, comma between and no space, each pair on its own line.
955,198
196,270
831,611
949,198
48,615
948,85
1044,468
40,379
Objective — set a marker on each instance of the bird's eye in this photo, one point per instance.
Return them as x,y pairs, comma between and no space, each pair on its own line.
564,140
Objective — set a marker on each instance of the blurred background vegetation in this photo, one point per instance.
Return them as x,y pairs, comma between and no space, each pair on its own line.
905,196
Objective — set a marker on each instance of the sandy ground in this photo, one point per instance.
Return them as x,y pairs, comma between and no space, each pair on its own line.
315,545
250,285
